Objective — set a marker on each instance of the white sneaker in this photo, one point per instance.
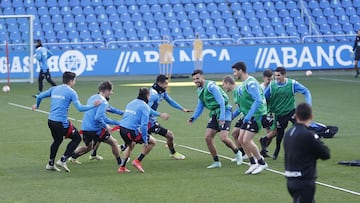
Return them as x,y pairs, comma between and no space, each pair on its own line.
74,161
52,168
216,164
259,169
62,165
238,158
97,157
245,157
251,168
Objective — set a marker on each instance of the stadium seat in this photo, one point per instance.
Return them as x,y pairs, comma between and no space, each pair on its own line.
328,12
19,11
258,5
269,6
15,3
223,6
247,6
193,15
291,5
79,18
339,11
215,15
99,10
312,4
354,19
343,19
27,3
148,17
66,10
317,12
272,13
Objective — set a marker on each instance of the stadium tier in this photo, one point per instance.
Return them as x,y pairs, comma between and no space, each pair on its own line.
59,22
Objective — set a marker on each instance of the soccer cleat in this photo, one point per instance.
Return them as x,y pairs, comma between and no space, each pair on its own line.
245,157
52,168
251,168
97,157
177,156
62,165
216,164
265,154
238,158
259,169
74,161
123,169
137,164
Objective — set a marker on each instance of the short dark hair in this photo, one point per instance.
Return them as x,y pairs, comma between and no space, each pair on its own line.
68,76
281,70
239,66
161,78
106,85
38,43
229,79
197,71
268,73
143,93
303,111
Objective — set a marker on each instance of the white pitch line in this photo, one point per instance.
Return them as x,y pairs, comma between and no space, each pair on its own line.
206,152
339,80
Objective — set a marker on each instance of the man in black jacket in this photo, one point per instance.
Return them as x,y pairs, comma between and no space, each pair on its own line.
302,148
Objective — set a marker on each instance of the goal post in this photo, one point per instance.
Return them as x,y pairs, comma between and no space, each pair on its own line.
16,65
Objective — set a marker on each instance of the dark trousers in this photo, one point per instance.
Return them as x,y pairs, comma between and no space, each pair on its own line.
302,191
58,132
45,75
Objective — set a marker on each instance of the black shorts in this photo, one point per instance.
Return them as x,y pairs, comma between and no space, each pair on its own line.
89,136
57,129
254,125
214,124
158,129
283,121
130,136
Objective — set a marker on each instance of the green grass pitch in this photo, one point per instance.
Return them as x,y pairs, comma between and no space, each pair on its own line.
25,140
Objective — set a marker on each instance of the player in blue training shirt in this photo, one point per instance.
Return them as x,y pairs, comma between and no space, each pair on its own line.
95,124
157,94
280,95
60,127
42,54
212,97
134,129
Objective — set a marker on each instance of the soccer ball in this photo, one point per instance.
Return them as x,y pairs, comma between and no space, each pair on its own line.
6,88
308,73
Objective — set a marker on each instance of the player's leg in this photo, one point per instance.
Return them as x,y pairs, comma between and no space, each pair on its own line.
127,138
137,163
88,138
114,148
56,130
74,135
48,78
356,60
40,81
224,137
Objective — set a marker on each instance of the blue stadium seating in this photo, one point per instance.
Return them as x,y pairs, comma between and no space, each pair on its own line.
109,20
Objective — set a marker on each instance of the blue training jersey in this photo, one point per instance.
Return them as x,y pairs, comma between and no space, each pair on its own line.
154,101
297,88
95,119
136,117
61,97
42,54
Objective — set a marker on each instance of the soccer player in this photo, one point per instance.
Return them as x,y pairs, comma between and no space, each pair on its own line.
95,125
253,105
42,54
302,148
280,95
229,85
212,97
356,49
157,94
136,117
271,129
60,127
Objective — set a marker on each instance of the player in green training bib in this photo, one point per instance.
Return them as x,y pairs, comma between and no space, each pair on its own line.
212,97
253,105
281,100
